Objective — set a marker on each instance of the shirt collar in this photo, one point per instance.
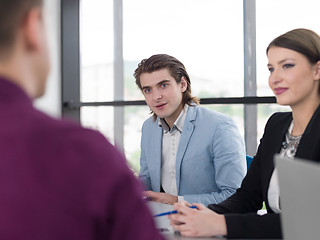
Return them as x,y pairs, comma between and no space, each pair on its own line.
178,124
10,92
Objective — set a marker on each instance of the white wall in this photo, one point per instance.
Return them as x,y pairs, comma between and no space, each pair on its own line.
51,101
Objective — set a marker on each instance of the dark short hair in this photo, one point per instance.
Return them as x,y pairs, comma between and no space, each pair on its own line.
12,13
174,66
301,40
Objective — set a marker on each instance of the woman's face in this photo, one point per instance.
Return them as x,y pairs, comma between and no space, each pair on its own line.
293,80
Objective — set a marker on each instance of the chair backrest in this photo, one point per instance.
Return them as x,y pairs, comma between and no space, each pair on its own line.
249,160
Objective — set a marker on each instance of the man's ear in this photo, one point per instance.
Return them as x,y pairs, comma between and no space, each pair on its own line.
184,84
32,29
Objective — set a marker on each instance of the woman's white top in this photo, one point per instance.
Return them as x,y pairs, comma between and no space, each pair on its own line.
288,149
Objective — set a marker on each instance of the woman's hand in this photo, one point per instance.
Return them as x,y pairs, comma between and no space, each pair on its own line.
197,222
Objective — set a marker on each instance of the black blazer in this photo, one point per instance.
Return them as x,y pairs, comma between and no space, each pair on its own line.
240,209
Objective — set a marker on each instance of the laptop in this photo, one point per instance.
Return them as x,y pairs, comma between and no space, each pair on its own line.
299,182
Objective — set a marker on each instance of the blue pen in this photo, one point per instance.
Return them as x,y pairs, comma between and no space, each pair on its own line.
170,212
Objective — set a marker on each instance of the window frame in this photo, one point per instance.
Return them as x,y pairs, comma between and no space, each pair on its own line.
70,47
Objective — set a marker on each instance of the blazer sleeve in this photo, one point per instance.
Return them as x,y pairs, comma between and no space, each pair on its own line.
252,225
228,153
144,174
241,208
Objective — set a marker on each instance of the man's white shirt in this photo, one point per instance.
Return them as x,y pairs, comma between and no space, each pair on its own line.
170,143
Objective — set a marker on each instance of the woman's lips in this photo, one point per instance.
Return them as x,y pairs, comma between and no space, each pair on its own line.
279,91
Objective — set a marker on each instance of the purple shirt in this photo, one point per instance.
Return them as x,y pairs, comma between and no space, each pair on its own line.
61,181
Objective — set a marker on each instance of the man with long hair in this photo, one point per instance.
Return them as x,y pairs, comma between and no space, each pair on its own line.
187,151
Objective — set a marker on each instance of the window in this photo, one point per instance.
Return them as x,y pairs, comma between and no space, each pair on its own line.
286,15
213,38
96,64
191,31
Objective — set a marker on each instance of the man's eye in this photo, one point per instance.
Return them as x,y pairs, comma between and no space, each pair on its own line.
163,85
147,90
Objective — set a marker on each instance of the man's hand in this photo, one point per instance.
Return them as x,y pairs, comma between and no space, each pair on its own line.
197,222
161,197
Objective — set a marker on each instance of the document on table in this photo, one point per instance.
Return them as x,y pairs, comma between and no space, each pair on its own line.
162,223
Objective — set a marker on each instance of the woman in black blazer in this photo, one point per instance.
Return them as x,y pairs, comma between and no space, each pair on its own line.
294,65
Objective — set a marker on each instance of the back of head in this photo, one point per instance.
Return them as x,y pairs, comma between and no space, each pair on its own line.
301,40
12,13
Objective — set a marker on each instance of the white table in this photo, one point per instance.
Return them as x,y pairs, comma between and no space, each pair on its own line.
163,223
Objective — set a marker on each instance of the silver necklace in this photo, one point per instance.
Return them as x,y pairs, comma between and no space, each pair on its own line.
291,143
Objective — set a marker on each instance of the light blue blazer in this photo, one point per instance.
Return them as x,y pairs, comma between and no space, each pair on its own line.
210,162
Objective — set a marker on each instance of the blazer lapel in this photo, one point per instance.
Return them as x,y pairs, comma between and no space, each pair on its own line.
156,155
307,149
278,137
275,138
187,131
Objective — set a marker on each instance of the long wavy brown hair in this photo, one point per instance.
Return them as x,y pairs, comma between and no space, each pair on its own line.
175,68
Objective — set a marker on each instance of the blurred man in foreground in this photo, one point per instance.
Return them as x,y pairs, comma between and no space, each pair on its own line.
57,180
